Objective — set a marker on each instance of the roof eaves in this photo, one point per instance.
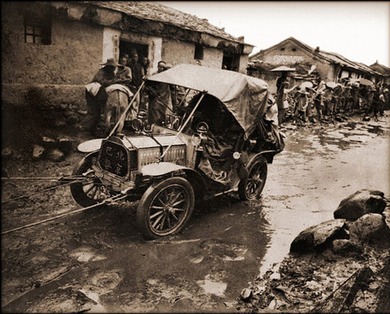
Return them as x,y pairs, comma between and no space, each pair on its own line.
353,64
144,10
297,42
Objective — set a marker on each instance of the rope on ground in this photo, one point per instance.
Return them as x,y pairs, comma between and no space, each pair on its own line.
114,198
42,191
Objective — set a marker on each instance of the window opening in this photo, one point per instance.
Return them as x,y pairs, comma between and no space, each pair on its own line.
37,30
198,52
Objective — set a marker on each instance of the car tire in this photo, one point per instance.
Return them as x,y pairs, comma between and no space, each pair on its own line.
250,188
91,191
165,208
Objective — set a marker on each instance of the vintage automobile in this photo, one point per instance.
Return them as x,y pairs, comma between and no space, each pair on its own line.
217,142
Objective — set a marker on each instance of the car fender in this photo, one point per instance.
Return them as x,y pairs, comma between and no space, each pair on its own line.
90,145
92,154
165,168
268,155
160,168
255,157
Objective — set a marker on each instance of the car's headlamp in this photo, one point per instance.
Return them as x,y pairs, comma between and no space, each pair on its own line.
236,155
137,124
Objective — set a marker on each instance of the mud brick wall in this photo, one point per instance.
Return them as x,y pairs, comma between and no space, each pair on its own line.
52,77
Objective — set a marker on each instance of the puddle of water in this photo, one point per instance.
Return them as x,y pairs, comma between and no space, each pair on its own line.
211,286
238,256
376,130
86,255
302,191
196,260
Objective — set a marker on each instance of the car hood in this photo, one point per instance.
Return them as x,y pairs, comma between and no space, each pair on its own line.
138,142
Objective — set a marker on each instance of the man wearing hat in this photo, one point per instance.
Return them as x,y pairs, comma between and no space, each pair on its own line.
160,98
96,95
282,100
302,102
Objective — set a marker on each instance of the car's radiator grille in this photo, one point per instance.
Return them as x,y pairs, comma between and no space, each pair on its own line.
114,158
148,155
175,154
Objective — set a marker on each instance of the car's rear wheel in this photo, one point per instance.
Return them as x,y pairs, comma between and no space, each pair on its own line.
251,187
165,208
90,190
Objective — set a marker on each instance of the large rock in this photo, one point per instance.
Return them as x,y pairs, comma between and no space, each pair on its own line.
368,227
346,247
319,237
360,203
386,216
38,152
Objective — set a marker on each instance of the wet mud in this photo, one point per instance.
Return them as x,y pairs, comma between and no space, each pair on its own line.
97,261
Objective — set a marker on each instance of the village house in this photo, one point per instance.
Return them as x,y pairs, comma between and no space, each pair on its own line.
308,63
384,70
50,50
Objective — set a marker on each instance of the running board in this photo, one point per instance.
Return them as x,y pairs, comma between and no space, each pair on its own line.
221,193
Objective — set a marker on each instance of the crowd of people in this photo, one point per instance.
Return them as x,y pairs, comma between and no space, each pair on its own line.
130,72
304,102
316,101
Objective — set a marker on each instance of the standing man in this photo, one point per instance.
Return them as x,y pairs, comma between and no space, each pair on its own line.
302,104
137,72
280,80
280,85
328,102
318,100
160,101
96,95
124,73
145,62
282,100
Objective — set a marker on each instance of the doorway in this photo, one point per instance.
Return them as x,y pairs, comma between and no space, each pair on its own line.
231,61
126,47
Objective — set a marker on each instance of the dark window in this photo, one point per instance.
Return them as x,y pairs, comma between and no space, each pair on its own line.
37,30
198,52
294,49
282,49
231,61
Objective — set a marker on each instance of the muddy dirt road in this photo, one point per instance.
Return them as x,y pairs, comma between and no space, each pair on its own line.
97,261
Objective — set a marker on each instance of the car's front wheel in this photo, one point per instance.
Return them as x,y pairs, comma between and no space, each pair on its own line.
165,208
251,187
90,190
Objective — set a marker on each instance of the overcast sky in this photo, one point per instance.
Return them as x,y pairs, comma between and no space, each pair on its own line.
357,30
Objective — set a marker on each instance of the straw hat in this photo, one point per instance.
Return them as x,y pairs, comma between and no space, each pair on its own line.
110,62
303,92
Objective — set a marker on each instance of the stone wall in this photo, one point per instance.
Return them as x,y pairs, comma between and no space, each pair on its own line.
71,58
178,52
51,77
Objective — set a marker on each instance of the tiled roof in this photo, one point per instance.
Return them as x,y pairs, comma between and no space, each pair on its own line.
157,12
380,68
337,58
329,56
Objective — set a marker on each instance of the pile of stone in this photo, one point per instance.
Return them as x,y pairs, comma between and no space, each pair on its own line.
360,218
52,149
340,265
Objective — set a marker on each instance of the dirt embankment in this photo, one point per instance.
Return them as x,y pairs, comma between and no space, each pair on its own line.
354,279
